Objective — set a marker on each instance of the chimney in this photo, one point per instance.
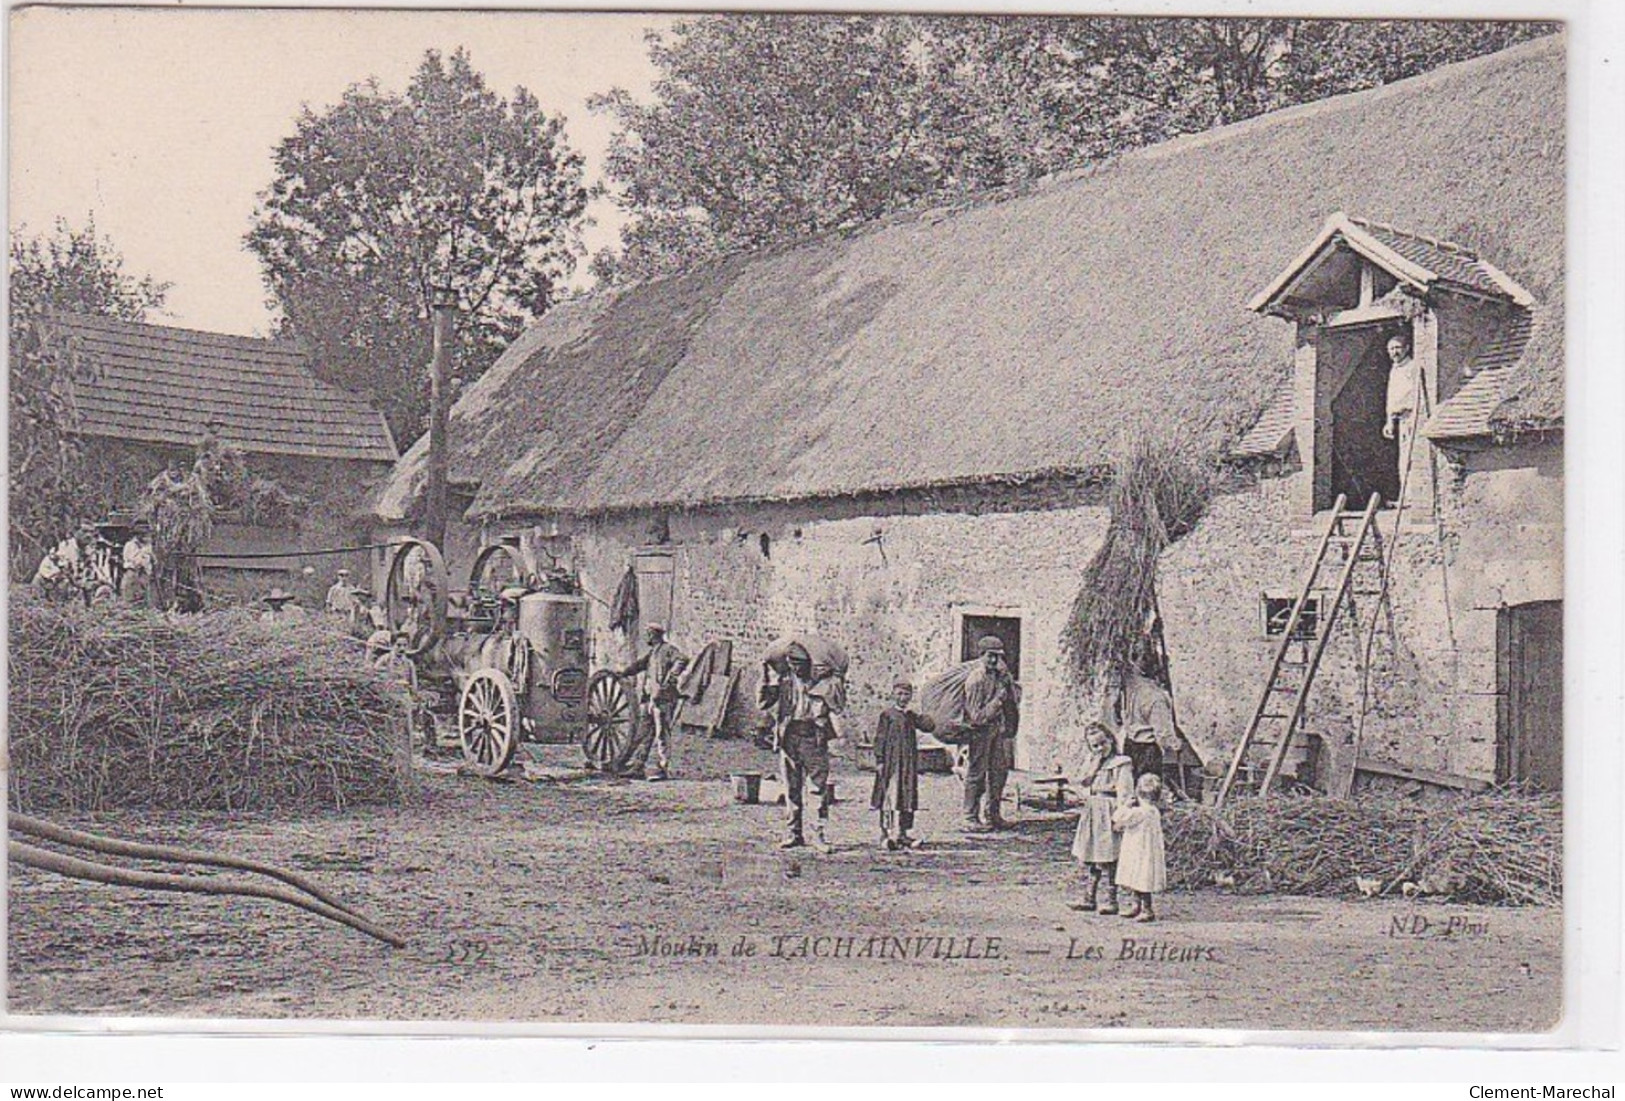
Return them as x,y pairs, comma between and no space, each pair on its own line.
444,304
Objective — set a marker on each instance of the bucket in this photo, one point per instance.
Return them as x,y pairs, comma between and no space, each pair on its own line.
747,786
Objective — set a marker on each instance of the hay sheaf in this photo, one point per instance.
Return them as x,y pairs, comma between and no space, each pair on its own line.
1499,847
123,707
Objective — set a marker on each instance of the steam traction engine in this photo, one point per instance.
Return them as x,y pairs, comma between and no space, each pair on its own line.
513,653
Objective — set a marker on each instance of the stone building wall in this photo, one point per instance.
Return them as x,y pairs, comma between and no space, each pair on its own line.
891,601
1495,539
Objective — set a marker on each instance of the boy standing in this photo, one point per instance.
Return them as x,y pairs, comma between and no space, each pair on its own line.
897,768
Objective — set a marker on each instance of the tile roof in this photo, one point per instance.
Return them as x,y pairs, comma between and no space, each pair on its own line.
1269,435
158,384
1473,410
1444,259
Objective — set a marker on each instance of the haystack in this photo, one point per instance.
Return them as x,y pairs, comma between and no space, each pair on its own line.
123,707
1502,846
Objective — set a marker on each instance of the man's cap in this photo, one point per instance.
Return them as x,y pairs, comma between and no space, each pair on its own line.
277,596
344,573
988,644
902,682
659,627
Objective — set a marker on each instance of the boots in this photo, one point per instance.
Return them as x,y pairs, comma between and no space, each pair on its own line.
820,842
1146,912
1087,903
1110,905
1132,910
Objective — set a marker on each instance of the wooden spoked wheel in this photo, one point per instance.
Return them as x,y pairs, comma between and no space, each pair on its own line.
415,595
611,717
488,720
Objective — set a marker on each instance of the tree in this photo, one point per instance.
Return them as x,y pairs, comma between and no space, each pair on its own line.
770,127
73,270
382,197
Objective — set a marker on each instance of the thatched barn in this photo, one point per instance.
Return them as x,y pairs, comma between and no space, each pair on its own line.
900,435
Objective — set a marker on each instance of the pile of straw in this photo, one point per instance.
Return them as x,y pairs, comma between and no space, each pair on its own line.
122,707
1500,847
1158,493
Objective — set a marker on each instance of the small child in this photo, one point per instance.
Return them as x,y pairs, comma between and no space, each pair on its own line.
1142,865
897,768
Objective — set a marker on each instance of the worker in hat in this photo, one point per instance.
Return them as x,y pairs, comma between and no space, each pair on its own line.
991,699
341,598
802,730
660,667
280,607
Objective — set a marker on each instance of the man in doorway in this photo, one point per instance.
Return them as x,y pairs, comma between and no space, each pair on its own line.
660,667
802,730
1402,385
991,696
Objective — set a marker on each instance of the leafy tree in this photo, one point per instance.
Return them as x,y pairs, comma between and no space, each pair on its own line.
74,270
768,127
381,197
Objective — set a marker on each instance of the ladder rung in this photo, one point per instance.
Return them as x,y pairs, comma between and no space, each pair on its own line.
1273,715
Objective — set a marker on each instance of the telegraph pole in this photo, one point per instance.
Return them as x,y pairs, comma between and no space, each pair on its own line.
444,305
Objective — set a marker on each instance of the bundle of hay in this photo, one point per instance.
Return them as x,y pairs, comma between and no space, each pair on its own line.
1158,493
124,707
1502,846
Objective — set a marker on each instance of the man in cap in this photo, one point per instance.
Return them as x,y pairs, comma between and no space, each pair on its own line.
660,666
803,730
991,696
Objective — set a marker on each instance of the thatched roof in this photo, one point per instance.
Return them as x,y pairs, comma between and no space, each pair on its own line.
1021,334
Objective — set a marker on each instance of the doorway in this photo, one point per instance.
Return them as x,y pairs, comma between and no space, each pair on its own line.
1529,674
1007,629
1364,461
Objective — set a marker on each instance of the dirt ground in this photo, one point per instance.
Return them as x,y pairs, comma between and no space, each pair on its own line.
590,900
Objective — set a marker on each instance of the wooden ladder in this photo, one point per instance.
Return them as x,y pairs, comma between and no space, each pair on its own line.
1279,683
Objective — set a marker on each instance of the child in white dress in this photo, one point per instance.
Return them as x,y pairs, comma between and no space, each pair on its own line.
1142,863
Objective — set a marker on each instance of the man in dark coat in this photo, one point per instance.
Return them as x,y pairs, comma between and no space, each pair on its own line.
991,698
897,767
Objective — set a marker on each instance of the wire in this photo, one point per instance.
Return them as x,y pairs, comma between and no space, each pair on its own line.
244,557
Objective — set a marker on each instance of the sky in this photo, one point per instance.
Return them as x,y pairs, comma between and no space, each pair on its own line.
161,122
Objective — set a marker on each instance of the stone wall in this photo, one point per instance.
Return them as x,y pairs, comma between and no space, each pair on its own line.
888,580
1493,537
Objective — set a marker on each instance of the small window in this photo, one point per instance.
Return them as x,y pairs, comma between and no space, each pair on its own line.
1278,610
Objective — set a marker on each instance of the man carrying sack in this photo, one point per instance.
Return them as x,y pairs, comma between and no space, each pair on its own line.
991,697
802,695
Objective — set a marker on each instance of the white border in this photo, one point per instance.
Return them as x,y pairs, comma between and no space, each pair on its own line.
178,1050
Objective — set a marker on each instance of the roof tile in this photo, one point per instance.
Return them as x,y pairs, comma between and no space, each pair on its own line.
158,384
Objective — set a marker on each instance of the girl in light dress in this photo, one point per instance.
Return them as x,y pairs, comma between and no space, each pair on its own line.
1109,785
1142,863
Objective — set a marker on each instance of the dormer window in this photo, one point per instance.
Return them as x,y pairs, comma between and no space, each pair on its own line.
1396,322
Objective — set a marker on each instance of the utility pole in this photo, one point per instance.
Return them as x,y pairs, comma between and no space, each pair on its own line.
444,305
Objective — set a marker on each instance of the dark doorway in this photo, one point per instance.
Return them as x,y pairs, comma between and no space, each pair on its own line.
1007,629
1363,460
1529,668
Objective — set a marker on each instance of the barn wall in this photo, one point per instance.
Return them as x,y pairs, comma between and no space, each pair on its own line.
894,612
1496,536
